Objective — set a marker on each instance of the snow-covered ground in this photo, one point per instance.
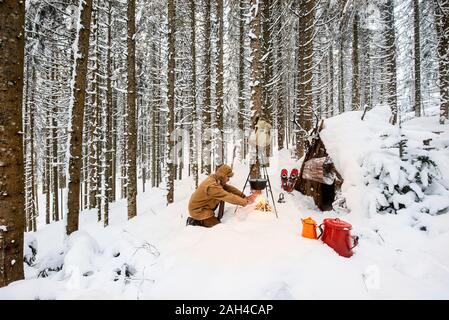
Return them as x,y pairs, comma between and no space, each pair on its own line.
251,255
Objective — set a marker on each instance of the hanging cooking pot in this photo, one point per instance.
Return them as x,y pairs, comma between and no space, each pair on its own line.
258,184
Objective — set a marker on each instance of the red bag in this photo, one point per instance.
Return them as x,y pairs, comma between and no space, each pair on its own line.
337,235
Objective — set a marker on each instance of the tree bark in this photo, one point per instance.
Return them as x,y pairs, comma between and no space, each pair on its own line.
26,139
132,130
267,60
442,17
124,158
387,15
280,114
367,101
193,131
355,64
207,118
241,77
54,160
171,99
91,117
256,77
32,155
154,131
48,161
305,98
77,112
114,122
109,117
12,197
267,96
219,85
417,43
98,111
341,85
331,83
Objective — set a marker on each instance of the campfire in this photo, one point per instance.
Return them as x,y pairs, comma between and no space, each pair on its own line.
257,186
262,204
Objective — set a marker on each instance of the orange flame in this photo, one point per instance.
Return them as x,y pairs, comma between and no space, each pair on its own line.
262,204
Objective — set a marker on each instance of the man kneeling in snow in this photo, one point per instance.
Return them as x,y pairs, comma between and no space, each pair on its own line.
210,192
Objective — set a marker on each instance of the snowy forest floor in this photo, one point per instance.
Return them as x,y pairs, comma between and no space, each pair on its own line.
251,255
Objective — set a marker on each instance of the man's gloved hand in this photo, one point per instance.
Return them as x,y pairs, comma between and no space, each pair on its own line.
252,197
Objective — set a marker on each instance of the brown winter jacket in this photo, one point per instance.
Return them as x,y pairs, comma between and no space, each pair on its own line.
210,192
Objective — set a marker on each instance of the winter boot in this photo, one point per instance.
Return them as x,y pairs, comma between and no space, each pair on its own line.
192,222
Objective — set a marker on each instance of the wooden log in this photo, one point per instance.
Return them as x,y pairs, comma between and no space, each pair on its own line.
319,170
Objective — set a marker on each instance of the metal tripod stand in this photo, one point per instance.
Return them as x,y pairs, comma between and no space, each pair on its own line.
264,168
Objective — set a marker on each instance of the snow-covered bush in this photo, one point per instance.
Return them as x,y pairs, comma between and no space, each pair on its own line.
29,249
81,249
50,263
410,183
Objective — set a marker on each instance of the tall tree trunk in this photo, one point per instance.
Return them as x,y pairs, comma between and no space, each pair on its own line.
207,109
26,139
98,120
171,99
109,116
179,141
124,158
256,77
154,131
32,155
280,114
84,173
93,111
390,56
114,121
91,115
417,42
219,85
157,111
341,85
267,60
355,64
159,153
143,142
319,89
55,160
305,73
442,17
193,131
241,77
77,112
306,121
331,82
12,199
48,161
367,101
132,130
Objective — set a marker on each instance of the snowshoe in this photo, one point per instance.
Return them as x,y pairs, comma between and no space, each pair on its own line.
284,179
294,174
292,180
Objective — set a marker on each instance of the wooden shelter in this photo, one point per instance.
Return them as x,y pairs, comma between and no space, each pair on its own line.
318,177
